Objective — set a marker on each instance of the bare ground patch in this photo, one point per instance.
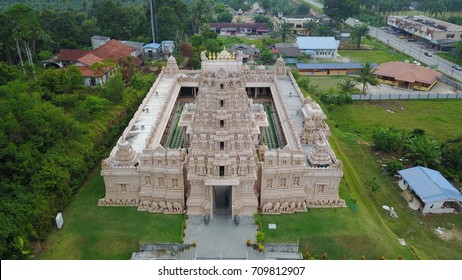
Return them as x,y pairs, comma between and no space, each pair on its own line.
448,234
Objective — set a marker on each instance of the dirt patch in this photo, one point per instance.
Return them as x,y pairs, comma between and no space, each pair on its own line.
388,105
450,234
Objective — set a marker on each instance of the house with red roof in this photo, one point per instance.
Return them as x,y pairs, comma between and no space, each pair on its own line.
407,75
87,60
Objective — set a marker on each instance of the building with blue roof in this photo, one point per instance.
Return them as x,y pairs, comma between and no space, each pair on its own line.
152,50
319,47
436,194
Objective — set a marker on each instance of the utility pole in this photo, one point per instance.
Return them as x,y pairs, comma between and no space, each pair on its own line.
151,4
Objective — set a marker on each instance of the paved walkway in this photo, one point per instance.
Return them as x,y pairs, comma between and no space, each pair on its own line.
221,238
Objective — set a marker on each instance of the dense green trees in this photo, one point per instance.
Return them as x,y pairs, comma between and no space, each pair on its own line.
416,148
52,132
340,10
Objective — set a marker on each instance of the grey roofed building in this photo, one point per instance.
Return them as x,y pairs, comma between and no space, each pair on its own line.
436,193
334,65
335,68
287,49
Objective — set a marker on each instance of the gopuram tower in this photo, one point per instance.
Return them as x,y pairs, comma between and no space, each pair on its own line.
222,166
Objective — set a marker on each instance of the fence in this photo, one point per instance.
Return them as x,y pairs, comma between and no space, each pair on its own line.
405,96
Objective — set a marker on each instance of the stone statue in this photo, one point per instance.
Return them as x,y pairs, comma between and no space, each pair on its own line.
267,207
177,207
276,207
169,206
162,205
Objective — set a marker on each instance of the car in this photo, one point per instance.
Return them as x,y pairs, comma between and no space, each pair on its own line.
457,67
411,40
428,54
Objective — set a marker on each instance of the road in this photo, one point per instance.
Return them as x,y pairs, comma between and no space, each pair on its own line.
413,49
316,4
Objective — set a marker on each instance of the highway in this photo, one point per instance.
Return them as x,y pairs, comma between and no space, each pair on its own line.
413,49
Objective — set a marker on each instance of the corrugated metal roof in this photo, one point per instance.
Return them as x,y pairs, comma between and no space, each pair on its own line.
316,66
152,45
430,185
316,43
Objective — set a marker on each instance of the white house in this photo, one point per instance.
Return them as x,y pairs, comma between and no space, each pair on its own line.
319,47
436,194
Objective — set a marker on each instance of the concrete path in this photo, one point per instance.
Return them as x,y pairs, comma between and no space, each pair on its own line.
221,238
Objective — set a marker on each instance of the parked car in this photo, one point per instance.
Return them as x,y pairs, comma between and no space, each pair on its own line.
411,40
428,54
457,67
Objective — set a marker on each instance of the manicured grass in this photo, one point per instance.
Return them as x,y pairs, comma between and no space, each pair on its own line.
364,228
365,56
92,232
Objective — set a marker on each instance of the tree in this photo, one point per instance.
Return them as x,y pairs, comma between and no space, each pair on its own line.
114,88
285,30
347,86
340,10
303,8
263,19
266,56
309,26
367,77
324,31
386,139
113,19
451,155
200,13
358,32
25,32
54,81
225,17
393,166
422,150
169,24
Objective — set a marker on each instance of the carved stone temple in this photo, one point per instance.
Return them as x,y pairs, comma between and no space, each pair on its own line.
231,138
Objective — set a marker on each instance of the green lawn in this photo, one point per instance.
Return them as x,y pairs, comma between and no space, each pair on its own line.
364,228
439,118
326,83
91,232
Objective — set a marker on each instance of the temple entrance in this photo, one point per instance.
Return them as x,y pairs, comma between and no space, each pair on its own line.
222,199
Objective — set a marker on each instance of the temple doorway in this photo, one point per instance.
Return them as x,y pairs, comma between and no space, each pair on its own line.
222,199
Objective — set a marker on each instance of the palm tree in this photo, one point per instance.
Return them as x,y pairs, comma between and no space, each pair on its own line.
324,31
285,30
347,86
358,32
309,26
421,150
367,77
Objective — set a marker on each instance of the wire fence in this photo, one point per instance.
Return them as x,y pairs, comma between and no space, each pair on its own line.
405,96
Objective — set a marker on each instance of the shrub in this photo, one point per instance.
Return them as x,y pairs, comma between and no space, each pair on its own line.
260,237
386,139
393,166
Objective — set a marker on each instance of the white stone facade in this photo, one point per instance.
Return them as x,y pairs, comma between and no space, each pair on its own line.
223,163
